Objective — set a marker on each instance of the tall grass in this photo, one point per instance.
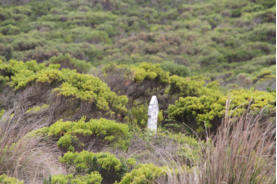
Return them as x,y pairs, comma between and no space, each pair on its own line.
241,152
26,158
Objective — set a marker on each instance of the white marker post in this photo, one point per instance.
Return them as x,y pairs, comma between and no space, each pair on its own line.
153,112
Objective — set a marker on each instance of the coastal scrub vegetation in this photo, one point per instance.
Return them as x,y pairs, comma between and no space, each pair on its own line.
76,77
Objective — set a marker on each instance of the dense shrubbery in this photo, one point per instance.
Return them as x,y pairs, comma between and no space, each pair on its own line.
146,173
207,109
72,84
151,72
74,135
185,86
37,108
176,69
199,105
129,32
92,178
67,61
88,167
138,115
187,44
106,164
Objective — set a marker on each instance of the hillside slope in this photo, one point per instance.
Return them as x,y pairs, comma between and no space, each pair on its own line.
76,77
230,41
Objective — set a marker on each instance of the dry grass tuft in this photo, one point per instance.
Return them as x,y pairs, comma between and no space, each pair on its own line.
26,157
242,151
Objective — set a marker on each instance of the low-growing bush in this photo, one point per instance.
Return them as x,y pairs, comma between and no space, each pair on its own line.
264,32
110,167
206,111
185,86
72,84
176,69
74,135
67,61
150,71
138,116
4,179
92,178
81,34
145,173
9,30
37,108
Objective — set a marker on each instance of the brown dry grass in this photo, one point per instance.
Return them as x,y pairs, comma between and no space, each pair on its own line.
26,158
241,152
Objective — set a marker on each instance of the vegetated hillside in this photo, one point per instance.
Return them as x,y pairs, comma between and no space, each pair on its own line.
76,77
230,41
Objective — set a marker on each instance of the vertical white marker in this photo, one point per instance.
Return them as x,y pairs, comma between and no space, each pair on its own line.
153,112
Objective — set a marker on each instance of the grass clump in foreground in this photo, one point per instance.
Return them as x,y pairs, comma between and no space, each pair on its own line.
240,152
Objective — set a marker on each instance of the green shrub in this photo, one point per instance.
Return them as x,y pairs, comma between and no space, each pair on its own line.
92,178
185,86
176,69
201,110
145,174
207,110
247,51
6,51
4,179
9,30
108,27
252,7
266,3
72,135
67,61
138,116
81,34
267,60
150,71
210,57
2,112
265,16
265,74
106,164
23,43
38,108
81,86
264,32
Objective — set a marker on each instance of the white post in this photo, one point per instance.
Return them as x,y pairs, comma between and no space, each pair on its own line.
153,112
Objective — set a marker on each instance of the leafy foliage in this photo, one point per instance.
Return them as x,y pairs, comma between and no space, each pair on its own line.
138,116
67,61
129,32
206,110
38,108
9,180
146,173
72,84
92,178
72,135
105,163
185,86
176,69
149,71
